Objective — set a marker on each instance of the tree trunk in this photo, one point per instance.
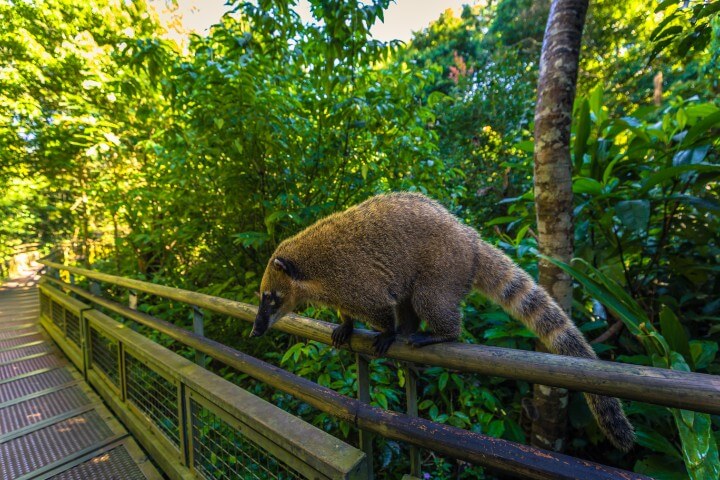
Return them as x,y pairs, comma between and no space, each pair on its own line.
553,188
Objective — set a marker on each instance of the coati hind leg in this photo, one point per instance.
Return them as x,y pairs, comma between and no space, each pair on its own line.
442,314
341,334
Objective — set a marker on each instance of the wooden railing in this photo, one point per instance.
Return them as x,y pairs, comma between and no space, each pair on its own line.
652,385
193,424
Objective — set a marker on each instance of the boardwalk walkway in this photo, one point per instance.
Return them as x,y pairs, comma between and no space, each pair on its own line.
52,425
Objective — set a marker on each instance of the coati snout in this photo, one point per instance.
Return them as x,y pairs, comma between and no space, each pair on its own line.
276,294
267,313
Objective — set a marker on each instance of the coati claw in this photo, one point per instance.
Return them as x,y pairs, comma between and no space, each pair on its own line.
341,334
382,343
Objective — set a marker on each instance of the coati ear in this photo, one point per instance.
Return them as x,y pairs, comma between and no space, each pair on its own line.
290,269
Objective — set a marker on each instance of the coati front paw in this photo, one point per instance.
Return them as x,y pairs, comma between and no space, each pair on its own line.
341,334
382,343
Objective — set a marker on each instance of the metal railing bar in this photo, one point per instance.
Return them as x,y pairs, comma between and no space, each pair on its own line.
648,384
501,455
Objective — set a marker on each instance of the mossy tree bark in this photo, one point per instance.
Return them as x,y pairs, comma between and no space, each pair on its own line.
553,187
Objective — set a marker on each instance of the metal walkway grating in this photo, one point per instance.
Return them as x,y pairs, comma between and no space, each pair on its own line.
52,425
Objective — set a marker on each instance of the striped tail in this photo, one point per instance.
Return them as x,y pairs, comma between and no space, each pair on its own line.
504,282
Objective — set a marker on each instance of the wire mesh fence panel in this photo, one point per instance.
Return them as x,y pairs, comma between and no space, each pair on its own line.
221,451
58,315
45,305
154,395
104,356
72,326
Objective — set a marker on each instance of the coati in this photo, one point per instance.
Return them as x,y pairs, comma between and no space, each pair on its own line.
397,258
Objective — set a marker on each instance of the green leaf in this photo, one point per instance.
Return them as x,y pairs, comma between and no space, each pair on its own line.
634,214
582,133
345,429
436,97
703,352
665,4
661,468
442,381
697,202
381,400
595,100
526,146
711,121
699,448
692,156
586,185
513,431
674,332
290,352
671,172
425,404
496,428
655,441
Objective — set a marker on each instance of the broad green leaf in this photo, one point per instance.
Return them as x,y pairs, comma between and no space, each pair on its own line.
655,441
699,447
442,381
674,332
526,146
692,156
700,128
496,428
660,467
703,352
671,172
586,185
634,214
582,132
595,100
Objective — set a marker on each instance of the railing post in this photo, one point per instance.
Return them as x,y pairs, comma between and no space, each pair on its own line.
95,288
132,299
72,278
363,383
412,410
199,329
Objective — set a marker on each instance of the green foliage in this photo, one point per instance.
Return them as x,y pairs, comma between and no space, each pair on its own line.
666,348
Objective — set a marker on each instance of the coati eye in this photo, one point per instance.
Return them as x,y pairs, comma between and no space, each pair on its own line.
274,299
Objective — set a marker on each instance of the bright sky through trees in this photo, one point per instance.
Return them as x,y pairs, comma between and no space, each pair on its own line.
401,19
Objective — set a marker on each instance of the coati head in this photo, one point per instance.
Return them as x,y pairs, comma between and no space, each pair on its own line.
280,290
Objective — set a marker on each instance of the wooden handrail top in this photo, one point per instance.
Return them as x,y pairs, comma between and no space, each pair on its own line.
687,390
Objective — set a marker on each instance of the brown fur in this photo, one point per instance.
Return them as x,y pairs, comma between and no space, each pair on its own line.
398,258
